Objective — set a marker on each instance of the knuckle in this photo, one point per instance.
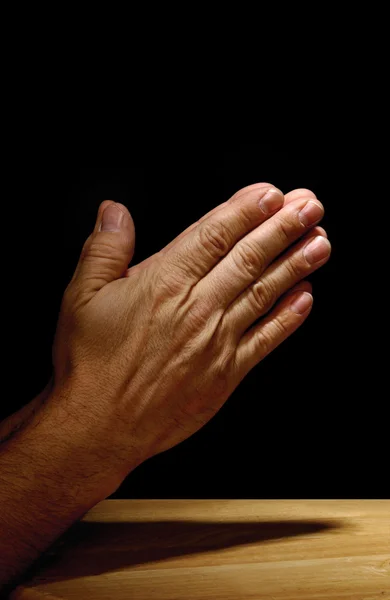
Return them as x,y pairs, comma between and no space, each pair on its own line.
243,215
106,252
280,328
220,384
101,249
263,342
169,283
215,238
249,258
173,271
262,295
226,359
197,412
222,372
267,338
285,228
198,313
295,268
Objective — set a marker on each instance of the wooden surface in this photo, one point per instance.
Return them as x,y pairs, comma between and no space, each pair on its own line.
225,549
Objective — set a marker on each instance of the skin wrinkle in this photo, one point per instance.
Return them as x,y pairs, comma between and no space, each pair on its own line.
144,361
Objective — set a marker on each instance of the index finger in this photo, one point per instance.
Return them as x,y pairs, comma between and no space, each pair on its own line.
212,238
293,195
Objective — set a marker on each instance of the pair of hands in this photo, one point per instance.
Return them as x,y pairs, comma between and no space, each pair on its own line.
145,356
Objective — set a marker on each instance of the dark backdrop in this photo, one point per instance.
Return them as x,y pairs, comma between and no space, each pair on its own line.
308,421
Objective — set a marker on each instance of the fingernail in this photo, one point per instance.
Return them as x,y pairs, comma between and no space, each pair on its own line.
317,250
112,218
311,214
272,201
301,303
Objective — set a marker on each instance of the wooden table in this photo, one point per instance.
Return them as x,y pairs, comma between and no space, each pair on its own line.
225,549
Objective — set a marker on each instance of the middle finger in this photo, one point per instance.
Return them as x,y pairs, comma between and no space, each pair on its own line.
248,259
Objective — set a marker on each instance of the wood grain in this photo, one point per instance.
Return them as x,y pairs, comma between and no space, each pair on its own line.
225,549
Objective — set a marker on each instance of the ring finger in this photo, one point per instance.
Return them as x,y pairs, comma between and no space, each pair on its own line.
305,257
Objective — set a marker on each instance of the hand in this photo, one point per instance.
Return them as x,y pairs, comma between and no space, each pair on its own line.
145,356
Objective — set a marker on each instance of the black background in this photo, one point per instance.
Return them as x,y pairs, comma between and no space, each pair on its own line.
309,421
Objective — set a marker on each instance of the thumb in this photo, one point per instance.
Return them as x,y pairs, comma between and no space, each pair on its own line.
108,250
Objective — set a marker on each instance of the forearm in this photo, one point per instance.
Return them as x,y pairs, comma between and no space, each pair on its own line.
50,475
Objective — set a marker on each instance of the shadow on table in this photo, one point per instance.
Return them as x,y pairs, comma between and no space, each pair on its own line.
90,548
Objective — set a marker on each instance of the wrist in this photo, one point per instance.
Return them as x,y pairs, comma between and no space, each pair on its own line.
55,455
87,443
